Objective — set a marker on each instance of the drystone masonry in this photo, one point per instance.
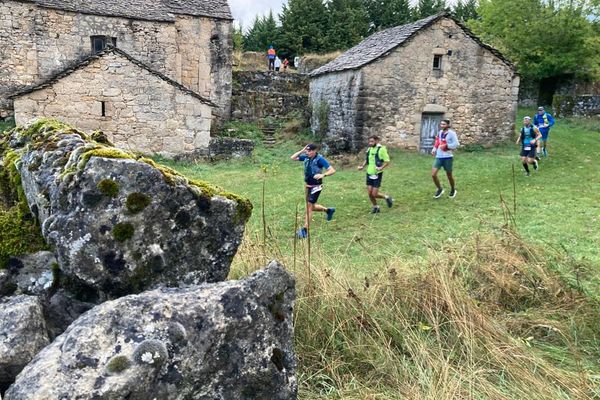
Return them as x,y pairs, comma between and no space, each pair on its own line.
388,96
138,109
262,94
40,40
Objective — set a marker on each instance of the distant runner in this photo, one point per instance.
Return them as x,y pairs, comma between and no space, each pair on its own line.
376,160
543,121
528,138
314,164
445,142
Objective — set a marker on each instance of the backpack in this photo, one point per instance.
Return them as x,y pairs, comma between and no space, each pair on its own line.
378,161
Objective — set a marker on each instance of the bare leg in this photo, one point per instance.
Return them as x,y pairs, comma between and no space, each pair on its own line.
450,179
378,195
436,180
371,197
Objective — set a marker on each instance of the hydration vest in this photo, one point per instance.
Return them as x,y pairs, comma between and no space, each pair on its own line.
378,161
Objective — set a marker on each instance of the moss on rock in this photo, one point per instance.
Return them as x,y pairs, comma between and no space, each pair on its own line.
137,202
151,352
108,187
118,364
18,235
123,231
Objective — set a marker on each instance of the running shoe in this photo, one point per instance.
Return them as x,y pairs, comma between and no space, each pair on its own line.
389,201
302,233
375,210
527,174
452,193
330,212
545,152
535,166
438,193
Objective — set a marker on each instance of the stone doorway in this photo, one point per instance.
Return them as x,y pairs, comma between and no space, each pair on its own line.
430,125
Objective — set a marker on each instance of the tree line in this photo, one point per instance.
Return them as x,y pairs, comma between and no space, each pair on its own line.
545,38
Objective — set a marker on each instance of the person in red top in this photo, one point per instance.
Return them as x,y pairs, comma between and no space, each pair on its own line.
285,64
271,55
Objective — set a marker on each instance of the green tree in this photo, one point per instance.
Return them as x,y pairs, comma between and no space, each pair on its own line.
305,26
545,38
425,8
238,37
348,23
264,32
466,10
387,13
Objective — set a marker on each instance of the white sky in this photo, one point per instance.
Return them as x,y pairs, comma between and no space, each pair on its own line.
245,11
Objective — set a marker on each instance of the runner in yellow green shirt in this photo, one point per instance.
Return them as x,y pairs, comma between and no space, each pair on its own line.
376,160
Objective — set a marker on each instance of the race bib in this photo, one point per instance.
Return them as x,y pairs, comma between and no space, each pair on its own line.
373,176
527,148
316,189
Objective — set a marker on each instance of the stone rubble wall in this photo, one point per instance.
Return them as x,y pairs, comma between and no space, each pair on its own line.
41,42
580,106
334,104
220,148
143,112
257,95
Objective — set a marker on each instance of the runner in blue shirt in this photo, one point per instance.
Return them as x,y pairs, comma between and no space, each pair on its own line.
314,164
543,121
528,138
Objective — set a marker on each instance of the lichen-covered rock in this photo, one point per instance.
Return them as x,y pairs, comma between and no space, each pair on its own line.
230,340
33,273
60,310
120,223
22,334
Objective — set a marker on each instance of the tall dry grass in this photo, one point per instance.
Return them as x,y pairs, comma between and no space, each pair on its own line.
487,319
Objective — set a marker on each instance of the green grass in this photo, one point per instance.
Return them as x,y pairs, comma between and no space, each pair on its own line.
556,208
4,125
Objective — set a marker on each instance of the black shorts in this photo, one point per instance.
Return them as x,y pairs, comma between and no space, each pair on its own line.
528,153
313,193
376,183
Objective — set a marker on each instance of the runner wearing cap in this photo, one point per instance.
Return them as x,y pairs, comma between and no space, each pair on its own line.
314,164
543,121
528,138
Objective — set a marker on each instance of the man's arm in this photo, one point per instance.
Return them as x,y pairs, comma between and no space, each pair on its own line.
385,157
296,155
550,120
330,171
452,141
362,166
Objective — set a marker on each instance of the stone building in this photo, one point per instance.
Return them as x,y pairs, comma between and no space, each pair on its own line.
189,41
139,108
400,82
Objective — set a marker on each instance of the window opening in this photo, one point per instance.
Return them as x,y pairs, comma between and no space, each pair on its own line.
437,62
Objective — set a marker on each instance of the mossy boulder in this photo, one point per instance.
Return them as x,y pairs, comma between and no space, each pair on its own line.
213,341
118,223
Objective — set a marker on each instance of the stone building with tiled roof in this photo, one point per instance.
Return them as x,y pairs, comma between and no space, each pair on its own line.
187,41
399,83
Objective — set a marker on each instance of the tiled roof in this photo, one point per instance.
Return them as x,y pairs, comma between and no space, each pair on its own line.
157,10
381,43
87,61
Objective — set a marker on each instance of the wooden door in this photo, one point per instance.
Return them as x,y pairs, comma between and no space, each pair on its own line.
430,125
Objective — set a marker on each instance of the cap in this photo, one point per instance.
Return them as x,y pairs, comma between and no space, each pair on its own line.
540,108
311,146
528,118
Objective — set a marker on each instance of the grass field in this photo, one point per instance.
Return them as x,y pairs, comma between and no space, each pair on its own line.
557,207
492,295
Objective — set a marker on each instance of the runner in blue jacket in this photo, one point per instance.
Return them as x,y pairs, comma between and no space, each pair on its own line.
543,121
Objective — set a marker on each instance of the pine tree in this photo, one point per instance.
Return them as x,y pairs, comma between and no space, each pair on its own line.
465,11
263,33
387,13
348,23
238,37
305,26
425,8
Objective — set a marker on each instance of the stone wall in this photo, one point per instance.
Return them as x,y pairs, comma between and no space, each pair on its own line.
334,103
142,111
474,89
261,94
580,106
220,148
194,51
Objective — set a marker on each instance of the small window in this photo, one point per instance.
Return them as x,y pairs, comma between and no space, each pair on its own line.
103,108
99,43
437,62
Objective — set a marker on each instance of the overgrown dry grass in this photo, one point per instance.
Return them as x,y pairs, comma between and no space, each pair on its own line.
490,318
